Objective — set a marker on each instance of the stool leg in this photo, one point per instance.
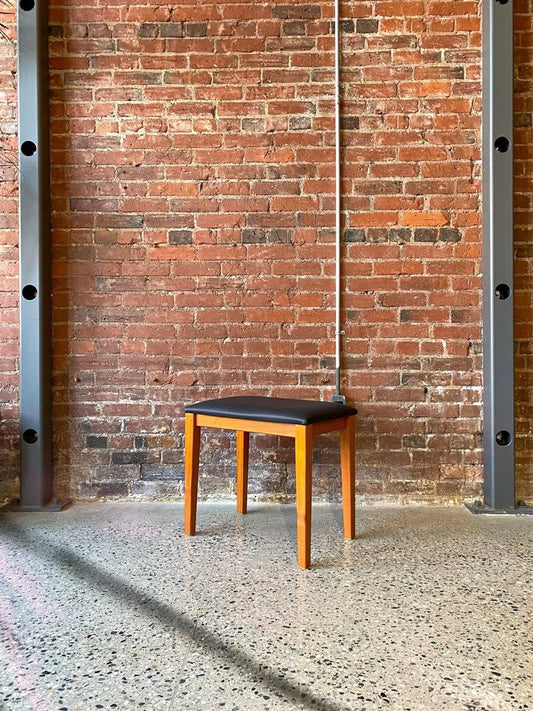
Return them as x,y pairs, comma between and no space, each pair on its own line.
348,477
243,441
192,456
304,454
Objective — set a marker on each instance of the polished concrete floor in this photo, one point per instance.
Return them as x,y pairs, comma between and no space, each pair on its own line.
110,607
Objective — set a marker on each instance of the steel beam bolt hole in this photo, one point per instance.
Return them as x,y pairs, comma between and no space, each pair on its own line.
502,144
30,436
503,438
28,148
503,291
27,5
29,292
502,2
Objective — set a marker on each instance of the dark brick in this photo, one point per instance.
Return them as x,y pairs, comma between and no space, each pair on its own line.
157,490
461,316
140,442
253,236
196,29
400,234
161,472
128,457
55,31
350,123
94,442
417,441
422,378
148,29
294,28
109,488
355,235
152,78
405,316
273,173
450,234
426,234
300,123
381,187
279,236
110,220
172,29
298,12
314,378
253,125
347,26
452,73
523,120
366,26
180,236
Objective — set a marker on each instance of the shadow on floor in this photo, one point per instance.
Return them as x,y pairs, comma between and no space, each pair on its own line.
165,615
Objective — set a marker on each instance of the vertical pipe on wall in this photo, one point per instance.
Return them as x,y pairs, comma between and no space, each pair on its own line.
338,238
498,336
35,339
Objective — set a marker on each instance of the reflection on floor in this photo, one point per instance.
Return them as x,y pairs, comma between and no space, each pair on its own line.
111,607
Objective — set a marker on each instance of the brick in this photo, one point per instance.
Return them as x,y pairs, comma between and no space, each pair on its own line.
128,458
149,29
296,27
449,234
355,235
195,29
346,26
427,234
181,237
289,12
364,26
423,218
251,236
173,29
161,472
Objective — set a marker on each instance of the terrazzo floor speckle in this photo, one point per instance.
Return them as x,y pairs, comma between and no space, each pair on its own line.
110,606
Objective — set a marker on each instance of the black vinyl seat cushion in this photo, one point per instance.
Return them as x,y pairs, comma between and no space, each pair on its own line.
272,409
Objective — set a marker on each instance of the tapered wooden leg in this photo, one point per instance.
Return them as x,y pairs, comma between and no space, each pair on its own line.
192,456
304,455
243,441
348,477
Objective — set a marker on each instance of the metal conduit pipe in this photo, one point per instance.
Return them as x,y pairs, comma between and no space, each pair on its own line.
338,397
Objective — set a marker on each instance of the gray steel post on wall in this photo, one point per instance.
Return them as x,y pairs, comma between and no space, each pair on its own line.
35,291
498,334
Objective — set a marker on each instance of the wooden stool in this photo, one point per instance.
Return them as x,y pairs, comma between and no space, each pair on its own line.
300,419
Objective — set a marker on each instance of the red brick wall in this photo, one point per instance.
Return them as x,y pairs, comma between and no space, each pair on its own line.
193,214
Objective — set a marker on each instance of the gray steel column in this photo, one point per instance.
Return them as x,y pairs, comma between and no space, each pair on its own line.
35,337
498,336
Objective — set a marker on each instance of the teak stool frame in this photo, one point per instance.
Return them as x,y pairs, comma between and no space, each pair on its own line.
303,436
